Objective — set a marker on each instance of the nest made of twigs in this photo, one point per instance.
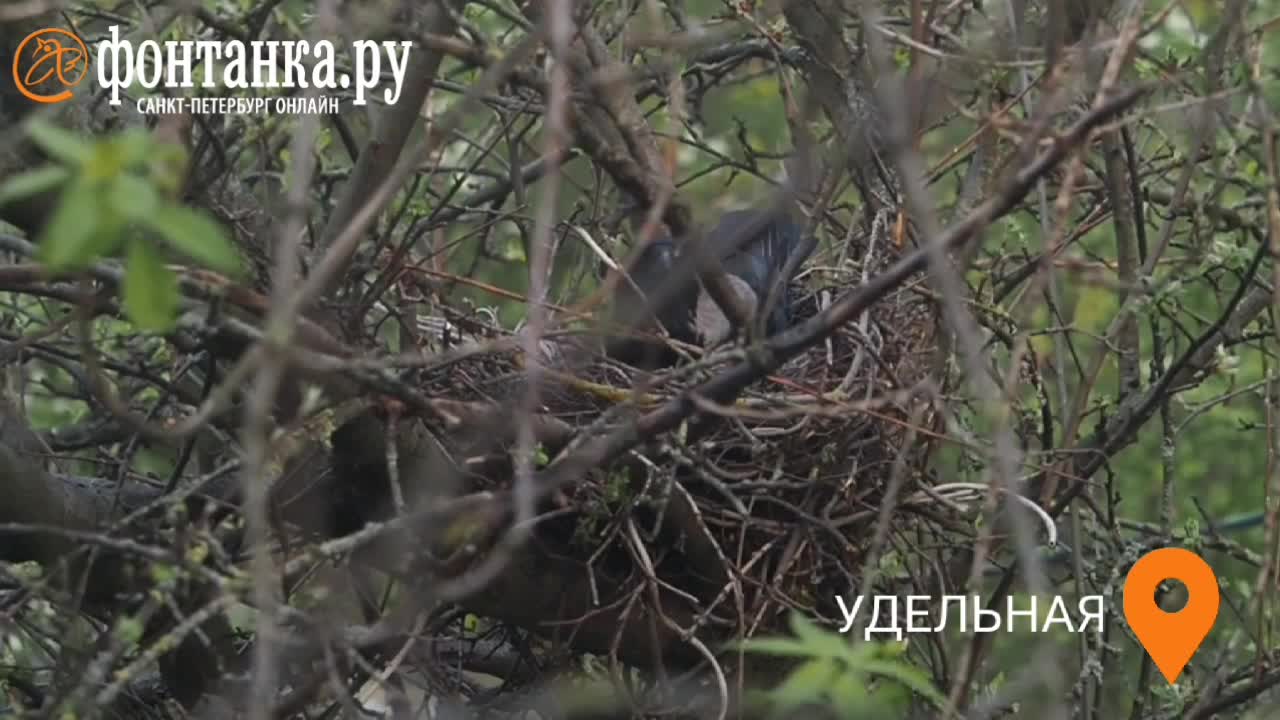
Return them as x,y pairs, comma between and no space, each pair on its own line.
775,494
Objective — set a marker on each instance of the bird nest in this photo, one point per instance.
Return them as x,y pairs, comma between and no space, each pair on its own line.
750,508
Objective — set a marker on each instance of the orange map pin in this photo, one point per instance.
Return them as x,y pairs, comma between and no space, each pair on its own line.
1171,638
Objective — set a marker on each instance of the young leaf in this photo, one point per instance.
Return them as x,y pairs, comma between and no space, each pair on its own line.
908,676
168,168
77,233
776,646
61,144
807,684
132,197
849,695
819,641
135,146
195,236
150,288
32,182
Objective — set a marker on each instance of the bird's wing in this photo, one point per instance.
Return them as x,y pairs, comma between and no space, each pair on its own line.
712,326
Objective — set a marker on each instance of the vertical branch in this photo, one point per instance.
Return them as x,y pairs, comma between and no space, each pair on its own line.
1271,567
559,30
1127,336
280,324
387,145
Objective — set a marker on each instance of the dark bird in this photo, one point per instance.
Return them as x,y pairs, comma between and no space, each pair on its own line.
671,295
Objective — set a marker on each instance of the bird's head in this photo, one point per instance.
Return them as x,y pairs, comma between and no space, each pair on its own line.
648,296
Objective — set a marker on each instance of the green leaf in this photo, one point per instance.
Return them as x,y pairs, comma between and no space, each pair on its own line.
150,288
135,146
60,144
908,676
168,168
164,575
807,684
129,629
849,694
819,641
777,646
132,197
32,182
890,698
78,233
196,236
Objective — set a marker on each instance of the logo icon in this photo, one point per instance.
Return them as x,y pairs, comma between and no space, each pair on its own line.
1171,638
50,59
